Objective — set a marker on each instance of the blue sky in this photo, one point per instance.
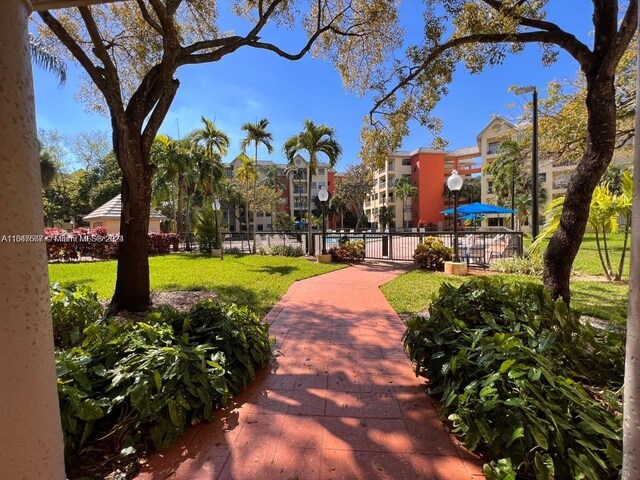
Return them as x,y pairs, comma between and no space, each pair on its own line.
250,84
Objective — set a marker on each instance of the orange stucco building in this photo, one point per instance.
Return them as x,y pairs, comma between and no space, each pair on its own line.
428,170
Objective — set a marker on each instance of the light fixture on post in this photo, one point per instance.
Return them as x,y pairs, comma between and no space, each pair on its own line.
454,182
535,221
217,250
323,196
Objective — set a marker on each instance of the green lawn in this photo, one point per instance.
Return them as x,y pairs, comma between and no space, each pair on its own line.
413,291
253,280
587,261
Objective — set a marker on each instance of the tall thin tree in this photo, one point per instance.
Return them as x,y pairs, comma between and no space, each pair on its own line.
257,134
315,140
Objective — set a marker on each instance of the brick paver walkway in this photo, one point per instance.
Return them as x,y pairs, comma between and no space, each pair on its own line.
339,401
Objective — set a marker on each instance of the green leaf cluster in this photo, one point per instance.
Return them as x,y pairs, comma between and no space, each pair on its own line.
132,385
72,312
431,254
348,251
521,378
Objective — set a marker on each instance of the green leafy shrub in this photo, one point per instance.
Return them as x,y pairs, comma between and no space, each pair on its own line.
531,265
282,251
136,385
348,251
431,254
72,312
206,227
520,375
235,332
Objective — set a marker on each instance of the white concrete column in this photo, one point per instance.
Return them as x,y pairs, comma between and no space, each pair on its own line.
30,432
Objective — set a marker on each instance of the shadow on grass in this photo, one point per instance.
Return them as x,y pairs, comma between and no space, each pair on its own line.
280,270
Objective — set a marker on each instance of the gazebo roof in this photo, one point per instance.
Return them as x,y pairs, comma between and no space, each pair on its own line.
113,208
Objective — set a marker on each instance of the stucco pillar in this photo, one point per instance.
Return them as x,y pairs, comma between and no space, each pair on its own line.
30,433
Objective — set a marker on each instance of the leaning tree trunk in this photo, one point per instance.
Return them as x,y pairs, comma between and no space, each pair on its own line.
132,281
600,143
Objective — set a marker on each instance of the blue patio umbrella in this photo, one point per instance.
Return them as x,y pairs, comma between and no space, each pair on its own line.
472,216
479,209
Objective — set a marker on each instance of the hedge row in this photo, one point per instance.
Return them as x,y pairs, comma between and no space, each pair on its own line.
97,243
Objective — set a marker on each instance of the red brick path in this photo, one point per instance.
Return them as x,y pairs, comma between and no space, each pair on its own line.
339,401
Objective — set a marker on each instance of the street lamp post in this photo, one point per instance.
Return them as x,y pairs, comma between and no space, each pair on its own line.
454,182
323,196
535,221
216,208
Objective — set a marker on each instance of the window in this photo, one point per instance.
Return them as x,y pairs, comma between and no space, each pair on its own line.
321,184
490,188
492,148
260,227
321,171
496,222
313,185
229,172
542,177
392,166
406,162
260,214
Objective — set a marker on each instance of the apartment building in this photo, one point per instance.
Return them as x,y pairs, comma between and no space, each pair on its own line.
294,193
428,170
553,173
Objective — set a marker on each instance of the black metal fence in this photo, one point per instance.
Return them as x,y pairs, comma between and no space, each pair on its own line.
474,247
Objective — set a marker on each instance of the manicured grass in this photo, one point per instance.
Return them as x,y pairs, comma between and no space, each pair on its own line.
587,261
252,280
413,291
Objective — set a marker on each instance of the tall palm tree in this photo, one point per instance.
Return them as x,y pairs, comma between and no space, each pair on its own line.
247,174
314,140
170,158
216,145
257,134
339,206
404,190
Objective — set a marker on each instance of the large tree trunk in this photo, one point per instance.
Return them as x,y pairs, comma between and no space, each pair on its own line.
132,281
601,129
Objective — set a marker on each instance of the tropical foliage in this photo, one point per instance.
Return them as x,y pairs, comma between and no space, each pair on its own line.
353,188
514,381
317,142
348,251
431,254
405,190
257,134
126,386
605,210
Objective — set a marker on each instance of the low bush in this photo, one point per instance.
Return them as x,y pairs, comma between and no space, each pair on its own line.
531,265
431,254
163,243
521,378
282,251
96,243
72,312
348,251
130,386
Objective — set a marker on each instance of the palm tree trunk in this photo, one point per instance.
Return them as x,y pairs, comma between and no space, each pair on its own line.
606,252
618,276
309,229
255,203
604,266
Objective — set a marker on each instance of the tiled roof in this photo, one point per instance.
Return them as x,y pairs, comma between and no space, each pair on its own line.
113,208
